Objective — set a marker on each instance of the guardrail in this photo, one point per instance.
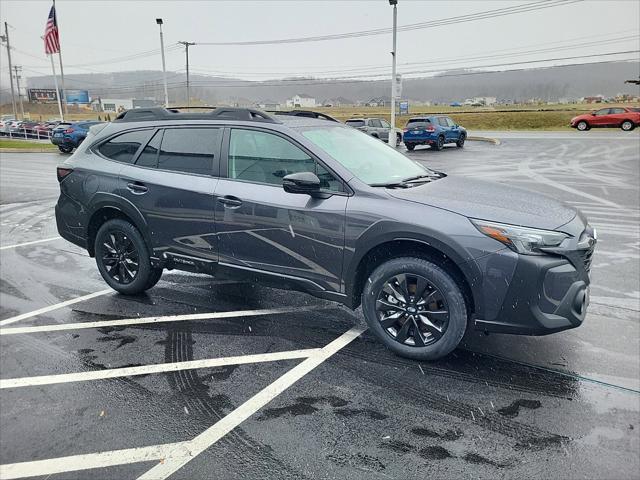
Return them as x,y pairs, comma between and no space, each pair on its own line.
26,134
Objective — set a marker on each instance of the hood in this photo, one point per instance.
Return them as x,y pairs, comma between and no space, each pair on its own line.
490,201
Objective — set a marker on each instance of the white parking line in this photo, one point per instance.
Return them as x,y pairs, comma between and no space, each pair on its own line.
174,456
154,368
148,320
56,306
29,243
75,463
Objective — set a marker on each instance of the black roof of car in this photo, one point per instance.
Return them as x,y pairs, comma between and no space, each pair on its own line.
175,113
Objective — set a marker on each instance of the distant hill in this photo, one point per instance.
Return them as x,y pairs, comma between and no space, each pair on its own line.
548,84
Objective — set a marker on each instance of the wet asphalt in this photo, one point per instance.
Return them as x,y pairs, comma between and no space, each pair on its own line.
560,406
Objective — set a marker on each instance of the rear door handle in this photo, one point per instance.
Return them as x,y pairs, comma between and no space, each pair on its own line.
230,201
137,188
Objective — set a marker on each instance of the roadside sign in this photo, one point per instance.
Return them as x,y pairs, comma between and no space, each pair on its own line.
404,107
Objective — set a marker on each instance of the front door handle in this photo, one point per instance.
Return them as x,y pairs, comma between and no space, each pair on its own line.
137,188
230,201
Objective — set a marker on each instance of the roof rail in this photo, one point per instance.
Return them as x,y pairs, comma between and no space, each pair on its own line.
174,113
304,113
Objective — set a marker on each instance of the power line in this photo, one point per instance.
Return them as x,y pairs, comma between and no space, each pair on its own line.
472,17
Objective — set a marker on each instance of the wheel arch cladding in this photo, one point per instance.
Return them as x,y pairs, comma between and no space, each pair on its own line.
103,212
397,248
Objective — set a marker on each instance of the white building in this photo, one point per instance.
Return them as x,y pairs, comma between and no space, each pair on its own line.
301,100
114,105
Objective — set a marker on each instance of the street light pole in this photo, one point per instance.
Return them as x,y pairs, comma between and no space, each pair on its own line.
18,69
186,49
164,68
392,133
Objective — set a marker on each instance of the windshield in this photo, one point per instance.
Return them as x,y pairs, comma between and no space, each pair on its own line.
369,159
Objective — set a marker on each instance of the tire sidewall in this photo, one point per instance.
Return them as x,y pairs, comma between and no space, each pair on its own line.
461,140
142,280
627,122
442,281
585,126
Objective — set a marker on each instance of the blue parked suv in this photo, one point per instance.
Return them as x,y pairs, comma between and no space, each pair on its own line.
67,137
435,131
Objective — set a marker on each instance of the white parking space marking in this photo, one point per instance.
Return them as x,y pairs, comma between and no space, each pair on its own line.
155,368
148,320
75,463
176,459
30,243
56,306
174,456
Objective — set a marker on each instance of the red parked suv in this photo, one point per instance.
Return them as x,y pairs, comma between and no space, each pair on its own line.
627,118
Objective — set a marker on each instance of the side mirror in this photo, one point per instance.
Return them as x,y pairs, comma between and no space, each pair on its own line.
303,182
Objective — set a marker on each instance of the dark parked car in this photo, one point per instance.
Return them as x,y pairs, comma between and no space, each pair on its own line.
435,131
317,206
72,136
626,118
376,127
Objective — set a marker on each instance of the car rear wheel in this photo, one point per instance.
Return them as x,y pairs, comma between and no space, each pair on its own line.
65,149
627,125
410,146
398,139
123,259
461,139
415,308
582,126
439,145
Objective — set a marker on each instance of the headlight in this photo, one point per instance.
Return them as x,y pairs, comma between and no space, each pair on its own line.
526,241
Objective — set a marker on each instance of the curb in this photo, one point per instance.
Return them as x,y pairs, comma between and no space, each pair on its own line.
28,150
495,141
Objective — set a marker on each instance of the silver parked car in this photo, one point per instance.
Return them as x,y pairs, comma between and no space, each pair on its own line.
376,127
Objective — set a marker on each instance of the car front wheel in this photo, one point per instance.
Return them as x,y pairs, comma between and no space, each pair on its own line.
582,126
627,125
123,259
415,308
461,139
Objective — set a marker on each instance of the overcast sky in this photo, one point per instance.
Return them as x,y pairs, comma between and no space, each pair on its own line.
96,34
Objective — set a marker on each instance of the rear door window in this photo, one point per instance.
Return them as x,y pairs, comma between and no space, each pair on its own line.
149,155
616,110
189,150
375,123
124,147
442,121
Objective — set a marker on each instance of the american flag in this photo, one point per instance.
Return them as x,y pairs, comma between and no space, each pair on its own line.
51,38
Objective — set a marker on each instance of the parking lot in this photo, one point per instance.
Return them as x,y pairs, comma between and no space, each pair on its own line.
202,378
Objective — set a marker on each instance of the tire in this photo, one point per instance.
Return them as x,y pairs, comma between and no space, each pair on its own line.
398,139
65,149
439,145
627,125
582,126
461,139
410,146
439,332
119,248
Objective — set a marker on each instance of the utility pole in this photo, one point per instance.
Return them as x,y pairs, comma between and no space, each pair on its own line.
18,69
392,138
164,68
5,38
186,49
64,94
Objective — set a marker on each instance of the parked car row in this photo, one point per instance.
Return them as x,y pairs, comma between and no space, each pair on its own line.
29,129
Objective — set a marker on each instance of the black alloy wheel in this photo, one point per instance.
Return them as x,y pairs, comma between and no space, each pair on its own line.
123,258
412,311
120,257
461,139
439,143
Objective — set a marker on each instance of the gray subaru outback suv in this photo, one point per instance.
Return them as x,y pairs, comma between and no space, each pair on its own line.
316,206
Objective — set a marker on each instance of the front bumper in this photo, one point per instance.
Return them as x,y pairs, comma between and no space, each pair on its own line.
546,294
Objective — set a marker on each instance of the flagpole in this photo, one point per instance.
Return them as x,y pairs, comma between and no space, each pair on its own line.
55,81
64,94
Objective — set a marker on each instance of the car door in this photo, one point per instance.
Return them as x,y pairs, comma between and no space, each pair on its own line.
454,130
616,117
172,184
600,117
263,229
376,127
444,127
386,130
